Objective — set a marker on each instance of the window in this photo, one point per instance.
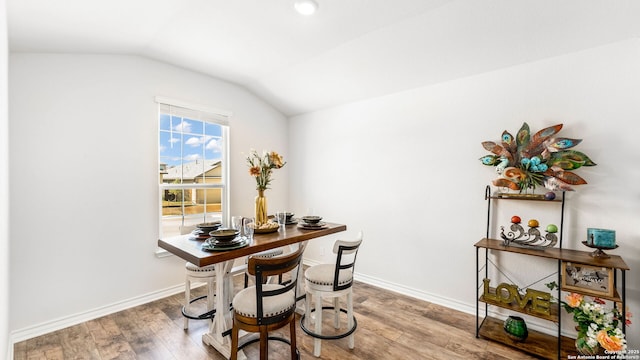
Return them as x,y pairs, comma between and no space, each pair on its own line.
193,173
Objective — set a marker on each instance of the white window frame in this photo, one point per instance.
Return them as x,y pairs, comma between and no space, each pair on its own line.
207,114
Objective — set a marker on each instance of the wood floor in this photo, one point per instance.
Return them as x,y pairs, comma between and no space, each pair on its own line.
390,326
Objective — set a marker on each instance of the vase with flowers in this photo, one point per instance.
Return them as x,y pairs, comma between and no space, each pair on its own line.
261,167
597,326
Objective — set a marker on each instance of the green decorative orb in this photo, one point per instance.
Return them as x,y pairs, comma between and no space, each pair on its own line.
516,328
551,228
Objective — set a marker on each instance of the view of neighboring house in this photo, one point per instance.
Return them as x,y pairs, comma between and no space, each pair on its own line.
195,172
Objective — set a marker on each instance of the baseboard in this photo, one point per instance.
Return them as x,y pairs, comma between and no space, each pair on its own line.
64,322
468,308
418,294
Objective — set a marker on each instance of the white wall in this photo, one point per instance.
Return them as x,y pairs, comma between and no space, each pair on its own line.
405,169
83,171
4,187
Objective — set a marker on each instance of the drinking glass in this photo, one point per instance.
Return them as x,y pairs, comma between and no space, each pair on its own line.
236,223
248,228
281,218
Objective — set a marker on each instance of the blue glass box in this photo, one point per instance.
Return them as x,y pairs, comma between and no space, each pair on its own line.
601,238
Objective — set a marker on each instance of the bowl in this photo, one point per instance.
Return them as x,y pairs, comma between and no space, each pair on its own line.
289,216
311,219
209,226
224,234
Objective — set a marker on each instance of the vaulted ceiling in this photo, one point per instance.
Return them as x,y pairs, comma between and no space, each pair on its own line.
349,50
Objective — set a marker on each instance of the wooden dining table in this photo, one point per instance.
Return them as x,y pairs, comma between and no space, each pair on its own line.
189,249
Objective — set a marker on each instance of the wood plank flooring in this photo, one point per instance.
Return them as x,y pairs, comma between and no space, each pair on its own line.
390,326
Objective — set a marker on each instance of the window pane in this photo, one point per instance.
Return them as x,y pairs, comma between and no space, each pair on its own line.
184,208
190,152
165,123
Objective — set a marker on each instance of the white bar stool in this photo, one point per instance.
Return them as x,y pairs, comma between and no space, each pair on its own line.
331,281
199,274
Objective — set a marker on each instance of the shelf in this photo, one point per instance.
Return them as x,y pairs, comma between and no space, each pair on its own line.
537,343
514,307
497,197
568,255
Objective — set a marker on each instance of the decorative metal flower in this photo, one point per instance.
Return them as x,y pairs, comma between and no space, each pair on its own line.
526,161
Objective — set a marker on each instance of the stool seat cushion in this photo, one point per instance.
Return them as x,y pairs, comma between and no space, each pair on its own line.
244,303
322,275
191,267
200,272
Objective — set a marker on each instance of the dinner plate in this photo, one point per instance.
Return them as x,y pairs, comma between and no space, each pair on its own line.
226,243
209,226
210,247
305,225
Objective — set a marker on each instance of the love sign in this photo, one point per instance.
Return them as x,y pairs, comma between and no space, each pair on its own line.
536,301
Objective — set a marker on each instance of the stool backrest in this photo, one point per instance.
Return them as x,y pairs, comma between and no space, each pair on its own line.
347,252
262,268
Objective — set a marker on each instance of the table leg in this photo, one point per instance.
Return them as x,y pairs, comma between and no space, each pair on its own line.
222,321
301,291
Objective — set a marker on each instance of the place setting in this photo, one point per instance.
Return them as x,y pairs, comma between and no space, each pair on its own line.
230,238
311,222
202,230
225,239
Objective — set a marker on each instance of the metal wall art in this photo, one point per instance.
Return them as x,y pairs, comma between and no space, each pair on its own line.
542,159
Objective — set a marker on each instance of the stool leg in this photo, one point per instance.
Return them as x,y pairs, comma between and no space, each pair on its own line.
292,336
264,342
187,298
336,312
350,318
308,303
234,343
317,342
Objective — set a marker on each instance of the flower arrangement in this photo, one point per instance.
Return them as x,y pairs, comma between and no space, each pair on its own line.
526,161
261,167
596,325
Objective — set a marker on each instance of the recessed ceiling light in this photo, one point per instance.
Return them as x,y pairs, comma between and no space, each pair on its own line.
306,7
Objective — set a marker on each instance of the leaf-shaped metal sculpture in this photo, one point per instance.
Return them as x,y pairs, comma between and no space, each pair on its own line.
527,161
496,149
508,142
563,143
490,160
522,138
571,155
555,184
570,178
566,164
537,143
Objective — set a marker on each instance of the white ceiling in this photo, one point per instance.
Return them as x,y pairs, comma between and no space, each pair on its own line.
348,51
